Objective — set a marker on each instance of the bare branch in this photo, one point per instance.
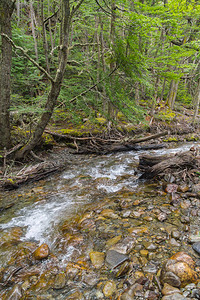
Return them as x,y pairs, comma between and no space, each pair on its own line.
47,19
28,57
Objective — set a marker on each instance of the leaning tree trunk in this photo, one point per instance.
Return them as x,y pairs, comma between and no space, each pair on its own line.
55,83
6,9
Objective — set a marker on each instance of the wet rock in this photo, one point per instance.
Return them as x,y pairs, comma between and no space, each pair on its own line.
176,234
113,241
114,258
97,259
162,217
151,295
182,256
150,246
41,252
171,188
183,188
11,236
196,247
196,188
150,268
124,268
174,243
175,296
169,290
90,278
144,253
109,213
75,296
60,281
195,293
15,293
138,230
109,288
185,204
178,270
131,292
125,246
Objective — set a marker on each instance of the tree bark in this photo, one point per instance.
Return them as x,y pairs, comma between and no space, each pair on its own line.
6,10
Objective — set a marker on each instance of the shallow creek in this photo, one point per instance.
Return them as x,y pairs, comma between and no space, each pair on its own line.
96,203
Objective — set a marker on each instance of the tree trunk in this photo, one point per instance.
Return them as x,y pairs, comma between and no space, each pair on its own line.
173,93
196,101
32,15
55,85
6,10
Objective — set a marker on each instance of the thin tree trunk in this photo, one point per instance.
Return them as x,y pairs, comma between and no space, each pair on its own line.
32,13
196,102
172,93
56,84
45,45
6,10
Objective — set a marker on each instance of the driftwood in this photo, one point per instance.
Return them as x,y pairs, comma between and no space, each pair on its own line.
155,167
31,173
98,145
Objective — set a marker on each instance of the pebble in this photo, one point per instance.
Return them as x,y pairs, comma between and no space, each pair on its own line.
60,281
109,288
175,296
169,290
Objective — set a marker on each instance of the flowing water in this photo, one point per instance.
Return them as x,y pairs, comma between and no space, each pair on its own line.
40,209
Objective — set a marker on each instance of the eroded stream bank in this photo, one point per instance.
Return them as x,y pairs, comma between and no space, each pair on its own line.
107,233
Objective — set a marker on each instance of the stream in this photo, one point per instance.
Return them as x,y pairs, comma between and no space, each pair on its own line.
95,204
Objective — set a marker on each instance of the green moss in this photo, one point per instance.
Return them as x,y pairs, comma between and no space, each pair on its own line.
192,138
171,139
101,121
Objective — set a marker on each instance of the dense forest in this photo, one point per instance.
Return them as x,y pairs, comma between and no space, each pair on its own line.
95,61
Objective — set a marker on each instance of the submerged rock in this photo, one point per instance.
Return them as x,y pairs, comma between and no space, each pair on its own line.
97,259
15,293
41,252
114,258
109,288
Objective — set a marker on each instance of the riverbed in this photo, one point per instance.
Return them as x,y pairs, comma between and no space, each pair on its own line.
96,205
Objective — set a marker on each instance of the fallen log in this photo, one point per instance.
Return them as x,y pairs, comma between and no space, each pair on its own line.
31,173
154,167
101,146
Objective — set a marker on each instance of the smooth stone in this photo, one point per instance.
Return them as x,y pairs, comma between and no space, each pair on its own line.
138,230
109,288
109,213
113,241
195,293
144,253
130,293
150,268
173,242
90,279
97,259
169,290
185,204
75,296
175,296
176,234
150,246
183,256
60,281
15,293
162,217
41,252
196,247
171,188
114,258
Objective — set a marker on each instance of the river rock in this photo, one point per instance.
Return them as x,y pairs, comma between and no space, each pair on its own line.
97,259
178,270
113,241
196,247
114,258
109,288
41,252
171,188
124,268
169,290
130,293
60,281
109,213
75,296
176,296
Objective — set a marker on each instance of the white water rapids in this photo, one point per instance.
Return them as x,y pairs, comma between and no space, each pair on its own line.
82,183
